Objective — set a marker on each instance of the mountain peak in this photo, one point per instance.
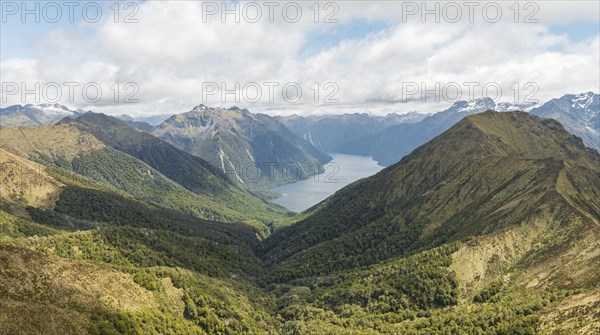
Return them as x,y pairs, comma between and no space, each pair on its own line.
218,110
479,104
233,139
586,95
486,103
200,107
482,102
56,110
38,114
97,123
583,100
578,113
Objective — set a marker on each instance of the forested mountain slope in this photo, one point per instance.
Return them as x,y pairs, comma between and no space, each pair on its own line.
104,149
489,172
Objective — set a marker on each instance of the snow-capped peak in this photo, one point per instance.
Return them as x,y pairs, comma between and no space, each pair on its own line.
200,107
480,104
483,104
583,100
509,106
53,110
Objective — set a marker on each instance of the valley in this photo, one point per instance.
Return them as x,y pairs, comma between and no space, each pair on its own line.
118,232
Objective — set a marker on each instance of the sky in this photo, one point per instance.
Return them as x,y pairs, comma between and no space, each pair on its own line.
164,57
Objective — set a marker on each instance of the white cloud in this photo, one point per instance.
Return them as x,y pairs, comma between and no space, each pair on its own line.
171,52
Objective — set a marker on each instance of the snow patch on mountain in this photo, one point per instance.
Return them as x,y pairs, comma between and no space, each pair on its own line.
584,100
53,110
38,114
483,104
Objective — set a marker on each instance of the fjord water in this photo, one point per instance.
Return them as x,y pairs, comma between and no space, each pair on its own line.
341,171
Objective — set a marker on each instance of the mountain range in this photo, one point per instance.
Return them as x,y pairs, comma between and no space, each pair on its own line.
580,114
362,134
331,133
491,227
407,137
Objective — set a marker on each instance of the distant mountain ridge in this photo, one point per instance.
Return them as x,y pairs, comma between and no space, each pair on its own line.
386,138
152,120
40,114
44,113
578,113
332,133
391,144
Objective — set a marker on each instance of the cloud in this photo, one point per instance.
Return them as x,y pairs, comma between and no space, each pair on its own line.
171,54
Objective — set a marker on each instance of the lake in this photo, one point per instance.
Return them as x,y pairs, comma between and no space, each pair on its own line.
341,171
